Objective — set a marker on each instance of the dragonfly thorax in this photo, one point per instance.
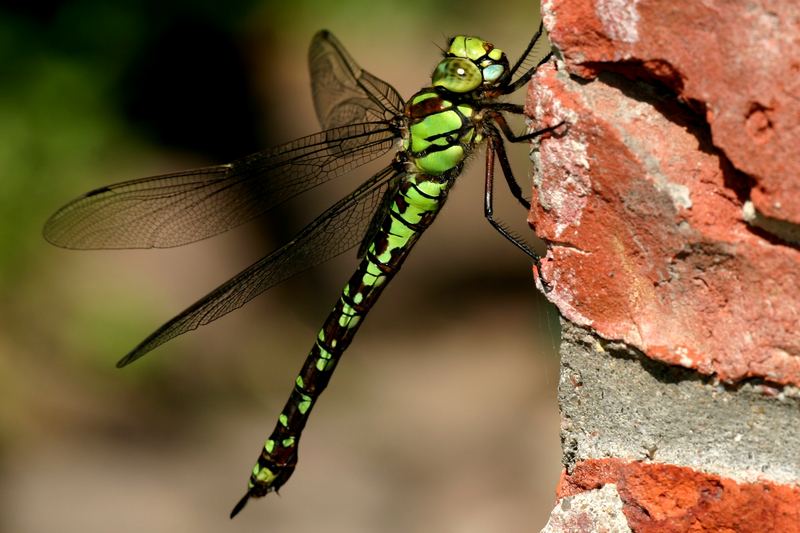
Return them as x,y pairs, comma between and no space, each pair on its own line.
441,133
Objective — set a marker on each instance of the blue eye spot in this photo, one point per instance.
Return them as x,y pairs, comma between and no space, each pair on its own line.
493,72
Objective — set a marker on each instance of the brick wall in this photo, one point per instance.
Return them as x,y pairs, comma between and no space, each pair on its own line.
670,202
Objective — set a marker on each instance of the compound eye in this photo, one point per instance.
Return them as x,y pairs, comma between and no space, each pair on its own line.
457,74
492,73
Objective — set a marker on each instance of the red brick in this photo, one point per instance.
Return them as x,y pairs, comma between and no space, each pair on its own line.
738,62
662,498
648,241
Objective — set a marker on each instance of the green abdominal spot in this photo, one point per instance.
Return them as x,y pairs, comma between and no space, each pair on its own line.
422,199
410,213
323,364
398,229
373,277
349,317
323,353
325,359
304,405
265,475
372,270
396,241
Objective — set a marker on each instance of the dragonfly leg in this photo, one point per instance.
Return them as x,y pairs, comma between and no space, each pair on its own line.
524,58
495,149
502,123
525,78
527,52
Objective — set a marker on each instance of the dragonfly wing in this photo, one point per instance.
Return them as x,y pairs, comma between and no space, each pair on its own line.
183,207
375,224
343,92
335,231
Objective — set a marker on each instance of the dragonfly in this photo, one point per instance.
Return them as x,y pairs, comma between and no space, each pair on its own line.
363,118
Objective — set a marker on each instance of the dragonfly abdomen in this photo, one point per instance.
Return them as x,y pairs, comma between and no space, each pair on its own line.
415,203
440,136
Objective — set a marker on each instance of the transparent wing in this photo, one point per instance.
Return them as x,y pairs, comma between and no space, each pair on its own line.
183,207
338,229
343,92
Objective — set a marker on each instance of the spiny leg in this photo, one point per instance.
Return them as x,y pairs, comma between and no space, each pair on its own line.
528,49
502,122
499,150
522,80
492,150
496,148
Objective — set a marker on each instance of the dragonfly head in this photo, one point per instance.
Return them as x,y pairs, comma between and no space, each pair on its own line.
470,63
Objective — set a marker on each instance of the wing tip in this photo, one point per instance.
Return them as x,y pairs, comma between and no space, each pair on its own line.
130,357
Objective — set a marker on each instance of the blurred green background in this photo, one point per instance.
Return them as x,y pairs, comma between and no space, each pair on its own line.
442,416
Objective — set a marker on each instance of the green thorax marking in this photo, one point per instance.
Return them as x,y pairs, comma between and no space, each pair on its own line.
441,134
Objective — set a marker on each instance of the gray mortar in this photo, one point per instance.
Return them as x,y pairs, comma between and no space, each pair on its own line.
616,402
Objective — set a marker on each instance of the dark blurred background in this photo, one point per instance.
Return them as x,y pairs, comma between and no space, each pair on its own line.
442,416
